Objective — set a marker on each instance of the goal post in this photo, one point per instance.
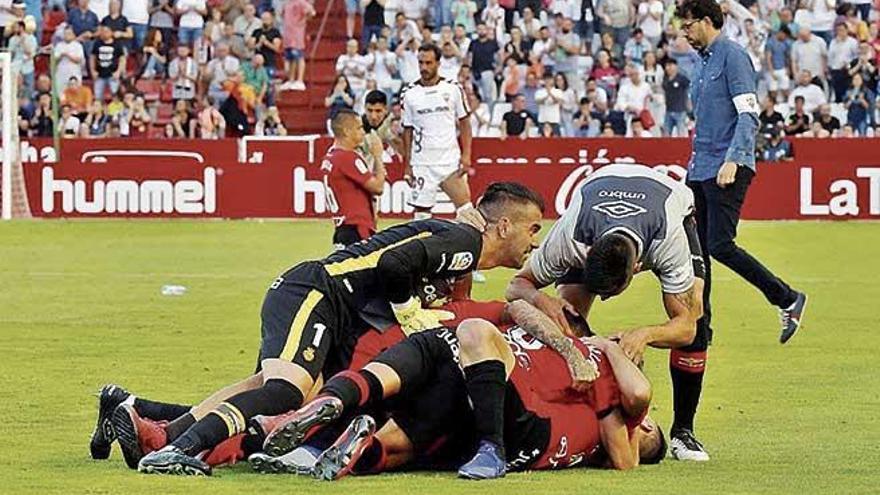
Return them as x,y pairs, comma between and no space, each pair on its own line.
13,195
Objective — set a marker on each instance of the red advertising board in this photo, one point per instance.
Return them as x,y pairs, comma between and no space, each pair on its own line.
829,179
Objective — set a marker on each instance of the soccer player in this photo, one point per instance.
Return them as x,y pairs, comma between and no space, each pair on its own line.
436,131
351,183
313,314
546,422
623,220
721,168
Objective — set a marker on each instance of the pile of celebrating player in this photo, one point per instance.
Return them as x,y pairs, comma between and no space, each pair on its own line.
375,358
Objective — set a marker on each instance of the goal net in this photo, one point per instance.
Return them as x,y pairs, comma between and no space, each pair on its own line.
13,196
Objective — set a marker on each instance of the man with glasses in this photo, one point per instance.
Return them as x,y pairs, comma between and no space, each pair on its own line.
722,165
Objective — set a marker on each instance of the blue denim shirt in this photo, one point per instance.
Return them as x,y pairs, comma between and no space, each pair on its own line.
725,128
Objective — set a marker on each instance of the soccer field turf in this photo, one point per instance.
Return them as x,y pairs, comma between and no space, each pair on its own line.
80,306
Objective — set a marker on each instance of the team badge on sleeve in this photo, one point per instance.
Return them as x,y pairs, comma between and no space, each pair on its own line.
461,261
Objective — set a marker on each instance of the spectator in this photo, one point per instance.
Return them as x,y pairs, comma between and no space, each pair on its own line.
822,18
484,61
549,99
637,129
85,26
493,17
685,56
652,74
211,124
633,97
529,91
510,85
223,67
650,20
462,40
138,14
595,93
568,46
341,96
69,59
542,53
77,96
769,117
618,16
162,18
786,19
636,47
119,25
614,49
450,61
267,41
842,51
813,95
95,123
463,12
41,124
191,23
865,66
353,66
675,92
373,21
68,123
777,149
382,63
270,124
517,47
604,74
582,121
255,75
481,118
829,123
351,10
809,53
156,54
26,109
408,61
799,120
107,63
857,28
248,22
23,47
183,72
139,119
183,122
568,105
529,24
859,105
847,132
777,55
404,31
237,46
414,10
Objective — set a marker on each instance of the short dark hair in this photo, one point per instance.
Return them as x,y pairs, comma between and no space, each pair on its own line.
659,454
375,96
579,325
499,194
609,264
799,97
341,119
698,9
431,47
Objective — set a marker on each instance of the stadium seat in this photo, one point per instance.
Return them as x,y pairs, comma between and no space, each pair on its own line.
150,88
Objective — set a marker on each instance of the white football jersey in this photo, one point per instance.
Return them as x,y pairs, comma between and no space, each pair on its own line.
433,112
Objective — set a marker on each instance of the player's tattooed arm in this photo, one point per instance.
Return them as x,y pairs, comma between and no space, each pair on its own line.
540,326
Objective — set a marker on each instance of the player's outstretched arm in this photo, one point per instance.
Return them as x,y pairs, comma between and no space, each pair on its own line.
615,438
635,389
540,326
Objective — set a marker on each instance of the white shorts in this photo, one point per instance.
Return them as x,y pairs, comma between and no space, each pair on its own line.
426,183
782,82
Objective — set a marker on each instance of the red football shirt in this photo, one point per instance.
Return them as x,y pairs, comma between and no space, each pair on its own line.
345,173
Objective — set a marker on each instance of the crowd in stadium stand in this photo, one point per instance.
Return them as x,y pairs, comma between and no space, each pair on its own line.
529,67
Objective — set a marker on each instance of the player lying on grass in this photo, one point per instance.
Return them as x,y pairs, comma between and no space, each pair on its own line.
544,419
313,314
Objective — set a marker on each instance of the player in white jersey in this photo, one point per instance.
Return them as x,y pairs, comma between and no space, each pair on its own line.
625,219
436,132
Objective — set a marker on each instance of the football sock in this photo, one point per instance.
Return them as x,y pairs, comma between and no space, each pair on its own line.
354,388
231,417
687,369
372,460
159,411
486,382
178,426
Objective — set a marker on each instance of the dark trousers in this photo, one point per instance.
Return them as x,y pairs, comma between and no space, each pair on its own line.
839,83
718,211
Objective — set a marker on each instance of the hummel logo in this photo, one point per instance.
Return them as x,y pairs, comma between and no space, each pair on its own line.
619,209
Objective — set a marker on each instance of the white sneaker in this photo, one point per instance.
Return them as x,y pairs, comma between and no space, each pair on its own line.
685,447
286,86
298,86
300,460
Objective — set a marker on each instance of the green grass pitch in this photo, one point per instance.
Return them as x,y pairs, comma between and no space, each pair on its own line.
80,306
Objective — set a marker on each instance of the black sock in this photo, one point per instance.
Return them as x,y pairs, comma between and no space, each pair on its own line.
354,388
486,382
159,411
372,460
231,417
253,441
178,426
687,370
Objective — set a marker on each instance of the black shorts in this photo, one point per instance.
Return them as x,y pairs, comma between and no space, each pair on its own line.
346,235
526,435
304,322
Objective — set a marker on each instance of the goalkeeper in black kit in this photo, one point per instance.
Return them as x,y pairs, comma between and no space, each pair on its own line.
313,314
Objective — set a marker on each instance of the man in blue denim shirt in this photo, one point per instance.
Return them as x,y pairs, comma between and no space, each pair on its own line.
721,168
